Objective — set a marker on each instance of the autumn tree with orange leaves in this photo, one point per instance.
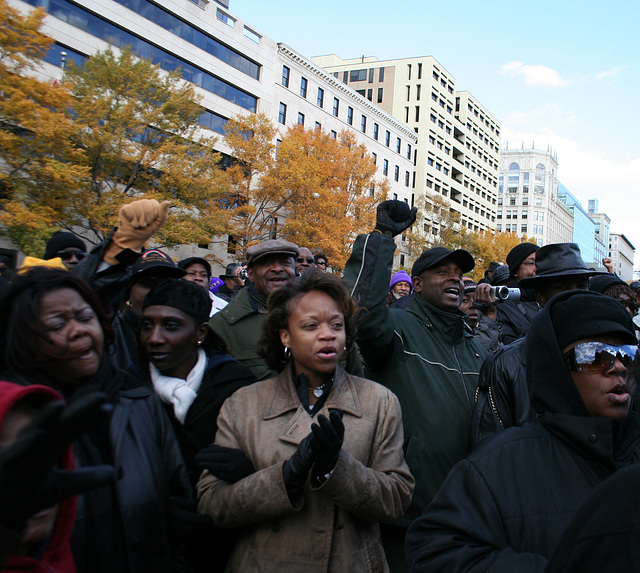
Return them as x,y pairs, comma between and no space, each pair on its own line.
39,164
314,190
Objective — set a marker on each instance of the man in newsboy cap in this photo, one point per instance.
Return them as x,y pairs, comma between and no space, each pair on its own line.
270,265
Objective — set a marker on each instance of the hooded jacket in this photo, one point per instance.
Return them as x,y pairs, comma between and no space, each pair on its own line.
505,507
55,556
426,357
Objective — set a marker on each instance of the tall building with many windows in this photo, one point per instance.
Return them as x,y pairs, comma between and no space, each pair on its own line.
584,228
602,224
622,253
236,70
528,203
457,156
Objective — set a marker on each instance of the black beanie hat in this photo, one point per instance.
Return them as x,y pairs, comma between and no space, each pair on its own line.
183,295
59,241
600,283
518,254
583,315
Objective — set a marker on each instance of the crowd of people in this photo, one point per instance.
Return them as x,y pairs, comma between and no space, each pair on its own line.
280,417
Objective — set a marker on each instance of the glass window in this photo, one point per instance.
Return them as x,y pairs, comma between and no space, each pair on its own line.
381,75
285,76
396,173
282,114
375,131
363,123
320,101
336,106
387,138
380,93
358,75
398,145
301,118
385,167
350,115
303,87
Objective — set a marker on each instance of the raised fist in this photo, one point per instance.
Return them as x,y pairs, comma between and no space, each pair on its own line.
393,217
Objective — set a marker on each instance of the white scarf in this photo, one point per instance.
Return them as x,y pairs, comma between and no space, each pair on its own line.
176,391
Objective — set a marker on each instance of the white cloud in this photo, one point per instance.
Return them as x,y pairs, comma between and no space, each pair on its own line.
610,73
535,75
591,173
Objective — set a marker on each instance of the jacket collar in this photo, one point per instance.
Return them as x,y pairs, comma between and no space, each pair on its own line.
241,306
448,325
284,398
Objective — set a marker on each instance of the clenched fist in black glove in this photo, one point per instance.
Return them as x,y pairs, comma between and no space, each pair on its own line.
295,470
228,464
393,217
29,477
328,435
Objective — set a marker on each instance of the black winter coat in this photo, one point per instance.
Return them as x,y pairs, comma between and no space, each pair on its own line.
502,399
505,507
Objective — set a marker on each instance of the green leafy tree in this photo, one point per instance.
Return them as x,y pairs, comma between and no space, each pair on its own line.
39,164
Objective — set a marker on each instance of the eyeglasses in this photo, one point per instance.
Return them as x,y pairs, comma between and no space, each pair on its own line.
598,356
305,260
323,263
67,255
528,263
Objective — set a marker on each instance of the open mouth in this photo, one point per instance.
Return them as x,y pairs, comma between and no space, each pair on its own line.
619,394
327,353
453,292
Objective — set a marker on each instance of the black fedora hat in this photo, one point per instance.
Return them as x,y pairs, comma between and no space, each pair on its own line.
558,260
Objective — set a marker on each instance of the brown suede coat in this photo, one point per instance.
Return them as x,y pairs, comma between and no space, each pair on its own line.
330,529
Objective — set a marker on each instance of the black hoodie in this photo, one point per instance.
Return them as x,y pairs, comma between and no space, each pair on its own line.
506,505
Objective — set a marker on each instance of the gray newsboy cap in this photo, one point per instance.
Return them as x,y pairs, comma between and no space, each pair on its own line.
271,247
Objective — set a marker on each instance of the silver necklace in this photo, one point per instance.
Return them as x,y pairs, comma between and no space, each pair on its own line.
318,390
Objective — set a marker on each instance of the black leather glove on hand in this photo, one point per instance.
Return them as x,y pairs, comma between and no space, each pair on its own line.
393,217
228,464
295,470
329,436
29,478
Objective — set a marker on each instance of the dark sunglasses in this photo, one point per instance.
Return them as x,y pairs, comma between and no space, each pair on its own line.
323,263
303,260
598,356
67,255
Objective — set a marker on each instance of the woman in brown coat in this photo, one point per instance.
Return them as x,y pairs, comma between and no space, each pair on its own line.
316,453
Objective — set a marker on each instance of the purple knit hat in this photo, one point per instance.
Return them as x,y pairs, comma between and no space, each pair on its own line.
399,277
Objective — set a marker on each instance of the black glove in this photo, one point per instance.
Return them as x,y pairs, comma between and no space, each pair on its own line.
184,517
295,470
328,436
228,464
29,478
393,217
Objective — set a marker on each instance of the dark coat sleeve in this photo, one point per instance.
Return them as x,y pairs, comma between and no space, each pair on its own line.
462,530
368,270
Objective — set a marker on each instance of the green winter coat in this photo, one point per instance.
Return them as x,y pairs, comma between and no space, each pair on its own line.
425,357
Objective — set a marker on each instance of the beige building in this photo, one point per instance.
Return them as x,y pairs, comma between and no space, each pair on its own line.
528,203
622,253
457,155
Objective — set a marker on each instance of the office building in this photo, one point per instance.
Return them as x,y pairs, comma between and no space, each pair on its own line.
602,224
235,69
528,203
622,253
584,228
457,156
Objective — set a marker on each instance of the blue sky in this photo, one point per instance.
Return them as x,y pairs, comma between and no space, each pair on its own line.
562,73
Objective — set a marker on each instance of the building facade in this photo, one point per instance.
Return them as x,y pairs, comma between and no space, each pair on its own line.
457,156
622,254
236,71
584,228
528,203
602,224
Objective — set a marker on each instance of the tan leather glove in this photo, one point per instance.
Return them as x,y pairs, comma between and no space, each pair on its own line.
137,222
